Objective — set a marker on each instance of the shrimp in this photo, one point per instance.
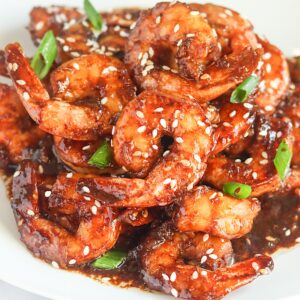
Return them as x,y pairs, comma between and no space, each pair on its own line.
17,132
207,210
235,121
258,170
158,37
162,259
275,78
98,230
69,114
76,155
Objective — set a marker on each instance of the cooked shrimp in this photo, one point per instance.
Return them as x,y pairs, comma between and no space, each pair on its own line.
220,77
164,268
76,155
98,230
275,78
235,122
159,37
258,170
17,131
208,210
94,76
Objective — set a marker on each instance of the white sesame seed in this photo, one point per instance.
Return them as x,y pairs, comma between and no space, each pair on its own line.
248,161
69,175
137,153
176,28
205,77
72,262
194,13
66,48
179,43
86,198
16,174
268,68
248,105
232,114
185,162
203,259
86,189
155,147
200,123
97,203
246,115
226,124
30,212
47,194
228,12
208,130
197,158
267,55
141,129
212,196
279,134
179,140
158,19
166,153
76,66
55,265
165,276
264,162
195,275
288,232
132,26
254,175
159,109
109,69
268,108
264,154
255,266
94,209
154,133
173,183
175,123
213,256
86,147
174,292
26,96
86,250
20,82
205,237
173,277
15,67
166,68
151,52
210,251
167,181
190,35
163,123
39,25
203,273
297,240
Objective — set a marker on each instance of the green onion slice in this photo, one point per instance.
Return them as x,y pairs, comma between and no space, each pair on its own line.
110,260
283,159
237,190
242,92
102,157
93,15
45,55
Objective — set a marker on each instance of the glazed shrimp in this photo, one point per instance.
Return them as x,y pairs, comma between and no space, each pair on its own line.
207,210
158,36
17,130
258,170
94,76
97,232
137,148
76,155
275,78
162,261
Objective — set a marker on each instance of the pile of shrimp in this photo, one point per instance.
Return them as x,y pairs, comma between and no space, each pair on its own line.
156,85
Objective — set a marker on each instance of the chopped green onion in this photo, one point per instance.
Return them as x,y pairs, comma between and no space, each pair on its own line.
237,190
93,15
102,157
242,92
45,55
283,159
110,260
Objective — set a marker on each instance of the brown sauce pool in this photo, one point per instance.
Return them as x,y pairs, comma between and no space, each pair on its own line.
277,226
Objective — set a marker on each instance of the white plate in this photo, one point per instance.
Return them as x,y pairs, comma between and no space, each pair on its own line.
279,21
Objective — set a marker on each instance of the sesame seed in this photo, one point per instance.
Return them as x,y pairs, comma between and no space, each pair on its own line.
194,13
173,277
190,35
154,133
15,67
55,265
86,250
179,140
72,262
9,66
163,123
30,212
208,130
87,147
132,26
26,96
66,48
69,175
270,238
213,196
39,25
195,275
97,203
158,19
173,183
174,292
159,109
267,55
246,115
248,161
203,259
248,105
254,175
94,209
141,129
203,273
213,256
86,189
297,240
214,32
255,266
165,276
16,174
205,237
232,114
263,162
167,181
205,77
288,232
151,52
155,147
197,158
279,134
268,108
166,68
238,160
20,82
210,251
139,114
179,43
185,162
268,68
76,66
226,124
175,123
109,69
47,194
200,123
166,153
228,12
264,154
176,28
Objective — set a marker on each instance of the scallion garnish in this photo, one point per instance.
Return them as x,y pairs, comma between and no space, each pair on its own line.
93,15
242,92
110,260
45,55
102,157
237,190
283,159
